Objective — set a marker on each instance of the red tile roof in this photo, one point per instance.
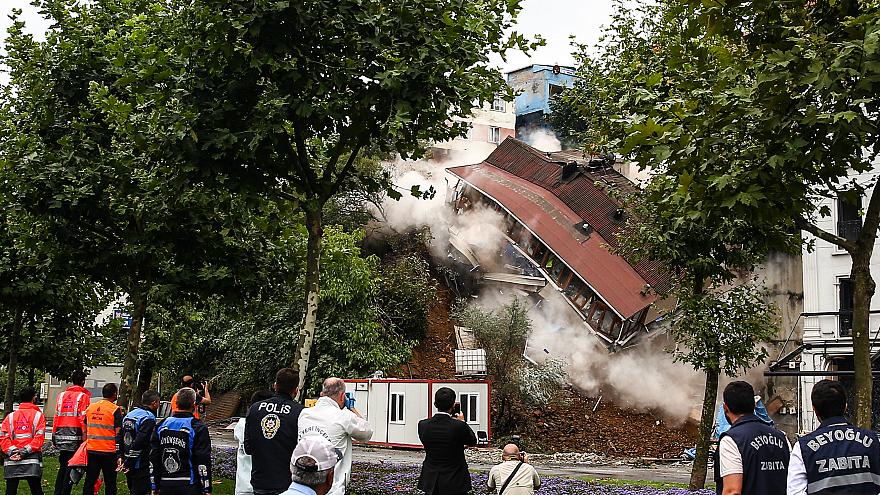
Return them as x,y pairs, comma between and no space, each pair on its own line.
526,182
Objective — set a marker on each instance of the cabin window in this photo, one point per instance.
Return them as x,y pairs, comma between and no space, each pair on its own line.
397,409
470,404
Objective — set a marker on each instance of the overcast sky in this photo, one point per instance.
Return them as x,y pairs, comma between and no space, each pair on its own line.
555,20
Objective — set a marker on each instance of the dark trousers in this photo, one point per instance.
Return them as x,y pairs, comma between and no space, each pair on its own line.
100,462
62,480
181,490
138,482
33,482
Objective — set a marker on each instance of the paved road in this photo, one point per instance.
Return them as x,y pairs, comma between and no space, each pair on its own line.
675,473
660,473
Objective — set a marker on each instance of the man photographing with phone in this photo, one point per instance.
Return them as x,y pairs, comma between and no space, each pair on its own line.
445,436
203,396
335,418
514,476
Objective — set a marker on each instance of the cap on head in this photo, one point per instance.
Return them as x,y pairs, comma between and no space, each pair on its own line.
318,449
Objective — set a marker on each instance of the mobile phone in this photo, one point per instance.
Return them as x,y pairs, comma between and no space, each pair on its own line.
349,400
456,409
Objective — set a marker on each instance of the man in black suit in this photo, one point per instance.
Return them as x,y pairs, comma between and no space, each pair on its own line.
445,470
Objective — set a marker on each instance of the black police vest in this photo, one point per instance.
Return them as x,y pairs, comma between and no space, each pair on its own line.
841,458
176,437
765,454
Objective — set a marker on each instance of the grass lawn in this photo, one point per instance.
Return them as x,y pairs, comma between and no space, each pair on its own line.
50,470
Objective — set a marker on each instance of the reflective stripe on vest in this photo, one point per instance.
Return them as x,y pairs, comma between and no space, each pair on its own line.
67,408
100,427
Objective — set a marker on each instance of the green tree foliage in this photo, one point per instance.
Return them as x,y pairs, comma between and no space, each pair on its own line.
663,92
758,111
128,214
718,330
284,97
244,345
502,333
407,293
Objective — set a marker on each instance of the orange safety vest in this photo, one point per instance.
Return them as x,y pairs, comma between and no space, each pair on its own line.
175,409
101,426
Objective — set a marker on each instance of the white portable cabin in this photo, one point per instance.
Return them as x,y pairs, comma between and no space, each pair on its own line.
395,407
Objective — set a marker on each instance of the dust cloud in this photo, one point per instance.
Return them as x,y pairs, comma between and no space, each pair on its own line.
541,139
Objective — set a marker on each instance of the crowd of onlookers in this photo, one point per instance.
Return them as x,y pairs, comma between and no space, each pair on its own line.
284,448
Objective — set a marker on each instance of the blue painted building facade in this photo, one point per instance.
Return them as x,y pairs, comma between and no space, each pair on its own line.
534,86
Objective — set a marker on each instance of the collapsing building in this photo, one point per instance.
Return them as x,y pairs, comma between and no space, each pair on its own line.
560,223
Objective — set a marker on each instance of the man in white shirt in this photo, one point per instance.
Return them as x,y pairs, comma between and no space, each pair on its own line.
243,460
524,479
329,418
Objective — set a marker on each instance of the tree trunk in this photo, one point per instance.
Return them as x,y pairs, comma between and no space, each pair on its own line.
12,366
707,418
133,341
315,227
863,291
143,383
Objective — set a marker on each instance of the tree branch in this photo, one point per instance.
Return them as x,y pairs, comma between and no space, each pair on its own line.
334,157
308,175
872,220
349,164
804,224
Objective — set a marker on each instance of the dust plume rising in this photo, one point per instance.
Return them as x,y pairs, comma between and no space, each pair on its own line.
643,377
541,139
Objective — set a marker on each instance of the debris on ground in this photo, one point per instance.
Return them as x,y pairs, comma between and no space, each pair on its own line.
572,422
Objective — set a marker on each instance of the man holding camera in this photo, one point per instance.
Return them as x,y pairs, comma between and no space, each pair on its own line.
335,419
445,436
203,396
514,476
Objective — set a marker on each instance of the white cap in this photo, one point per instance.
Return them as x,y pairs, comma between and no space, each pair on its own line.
318,448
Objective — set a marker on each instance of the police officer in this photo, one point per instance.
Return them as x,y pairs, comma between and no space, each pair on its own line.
753,455
180,451
270,435
838,457
137,428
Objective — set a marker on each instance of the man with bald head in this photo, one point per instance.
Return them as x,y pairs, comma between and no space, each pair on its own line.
514,476
334,419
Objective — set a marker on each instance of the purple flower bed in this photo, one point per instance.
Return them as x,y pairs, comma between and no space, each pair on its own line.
399,479
388,479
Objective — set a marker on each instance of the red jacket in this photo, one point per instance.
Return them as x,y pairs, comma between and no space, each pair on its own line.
69,420
23,430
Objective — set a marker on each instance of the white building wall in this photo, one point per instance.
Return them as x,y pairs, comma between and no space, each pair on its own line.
823,267
477,142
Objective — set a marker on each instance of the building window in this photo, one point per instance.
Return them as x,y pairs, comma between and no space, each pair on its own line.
498,104
397,410
494,135
470,407
849,219
845,305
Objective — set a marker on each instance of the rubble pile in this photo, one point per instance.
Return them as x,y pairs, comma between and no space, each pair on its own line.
570,424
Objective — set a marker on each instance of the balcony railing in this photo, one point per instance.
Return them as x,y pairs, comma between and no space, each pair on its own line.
849,229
